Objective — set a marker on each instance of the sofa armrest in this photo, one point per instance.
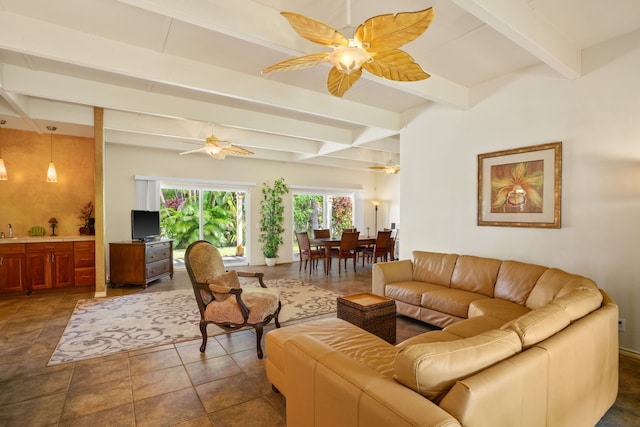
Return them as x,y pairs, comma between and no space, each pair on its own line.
328,388
384,273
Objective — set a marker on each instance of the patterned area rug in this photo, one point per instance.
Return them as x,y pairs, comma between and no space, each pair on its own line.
99,327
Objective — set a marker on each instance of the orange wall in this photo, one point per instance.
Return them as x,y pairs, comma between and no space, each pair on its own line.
26,199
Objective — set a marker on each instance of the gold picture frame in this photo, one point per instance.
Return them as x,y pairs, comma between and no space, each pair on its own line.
521,187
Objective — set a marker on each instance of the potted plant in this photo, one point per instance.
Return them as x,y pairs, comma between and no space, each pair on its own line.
272,219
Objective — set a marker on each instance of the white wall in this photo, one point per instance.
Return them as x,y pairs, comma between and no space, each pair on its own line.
597,118
124,162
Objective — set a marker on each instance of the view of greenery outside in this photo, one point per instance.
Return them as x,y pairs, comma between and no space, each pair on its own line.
341,214
180,218
308,214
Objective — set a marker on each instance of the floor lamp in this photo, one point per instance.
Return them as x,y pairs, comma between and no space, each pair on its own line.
376,203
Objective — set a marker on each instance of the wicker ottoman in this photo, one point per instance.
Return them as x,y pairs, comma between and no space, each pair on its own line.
373,313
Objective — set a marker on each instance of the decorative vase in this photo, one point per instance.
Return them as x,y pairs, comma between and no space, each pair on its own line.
271,262
85,230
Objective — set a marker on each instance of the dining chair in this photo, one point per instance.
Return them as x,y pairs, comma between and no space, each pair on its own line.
306,253
321,233
380,249
346,250
220,298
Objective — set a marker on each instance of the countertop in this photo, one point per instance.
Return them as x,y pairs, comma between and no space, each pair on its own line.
46,239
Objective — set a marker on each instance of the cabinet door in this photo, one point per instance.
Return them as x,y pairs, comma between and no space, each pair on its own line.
62,271
38,270
12,272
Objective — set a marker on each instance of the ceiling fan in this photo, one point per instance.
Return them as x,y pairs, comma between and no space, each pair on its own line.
374,47
219,149
388,168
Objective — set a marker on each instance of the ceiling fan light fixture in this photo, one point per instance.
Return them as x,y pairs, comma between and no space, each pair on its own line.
349,58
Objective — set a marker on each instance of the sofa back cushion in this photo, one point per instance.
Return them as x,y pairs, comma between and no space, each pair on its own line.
538,325
555,283
431,267
516,280
579,303
475,274
431,369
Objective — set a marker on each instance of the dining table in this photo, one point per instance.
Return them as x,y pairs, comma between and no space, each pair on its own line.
332,242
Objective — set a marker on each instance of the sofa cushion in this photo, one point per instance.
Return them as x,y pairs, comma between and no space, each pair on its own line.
471,327
540,324
580,303
433,267
475,274
450,301
428,337
409,292
549,285
432,369
516,280
498,308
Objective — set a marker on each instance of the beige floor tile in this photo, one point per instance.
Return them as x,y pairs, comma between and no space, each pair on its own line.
226,392
120,416
190,350
154,361
40,411
21,388
255,413
103,396
212,369
88,374
168,409
154,383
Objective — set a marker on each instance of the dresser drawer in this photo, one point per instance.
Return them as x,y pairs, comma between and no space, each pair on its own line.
158,254
157,268
51,246
84,246
84,259
85,276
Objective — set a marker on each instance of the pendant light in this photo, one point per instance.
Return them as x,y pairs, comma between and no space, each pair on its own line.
52,176
3,169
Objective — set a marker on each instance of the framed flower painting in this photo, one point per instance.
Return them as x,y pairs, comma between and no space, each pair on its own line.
521,187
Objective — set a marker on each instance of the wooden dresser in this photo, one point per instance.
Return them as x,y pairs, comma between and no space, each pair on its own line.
138,263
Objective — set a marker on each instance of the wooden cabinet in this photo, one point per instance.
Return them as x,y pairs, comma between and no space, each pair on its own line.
84,263
49,265
12,267
138,263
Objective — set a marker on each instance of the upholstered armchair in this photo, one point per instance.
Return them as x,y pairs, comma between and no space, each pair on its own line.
222,301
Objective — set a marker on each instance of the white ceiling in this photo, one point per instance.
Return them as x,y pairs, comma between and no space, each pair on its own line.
169,72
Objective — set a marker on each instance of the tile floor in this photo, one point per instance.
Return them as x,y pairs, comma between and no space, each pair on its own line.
171,384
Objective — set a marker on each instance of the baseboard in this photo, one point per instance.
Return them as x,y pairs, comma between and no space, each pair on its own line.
629,353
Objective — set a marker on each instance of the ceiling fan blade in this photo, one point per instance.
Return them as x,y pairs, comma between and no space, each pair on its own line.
236,151
298,63
395,65
195,150
338,82
315,31
388,32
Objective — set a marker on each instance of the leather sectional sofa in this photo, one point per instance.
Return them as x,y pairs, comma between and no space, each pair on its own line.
520,345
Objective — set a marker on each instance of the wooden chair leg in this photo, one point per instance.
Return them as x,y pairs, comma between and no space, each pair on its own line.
259,331
203,330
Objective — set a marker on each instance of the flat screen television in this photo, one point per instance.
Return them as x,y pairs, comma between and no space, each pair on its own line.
145,225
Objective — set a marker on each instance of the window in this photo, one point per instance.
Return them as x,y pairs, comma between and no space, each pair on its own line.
313,209
189,213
